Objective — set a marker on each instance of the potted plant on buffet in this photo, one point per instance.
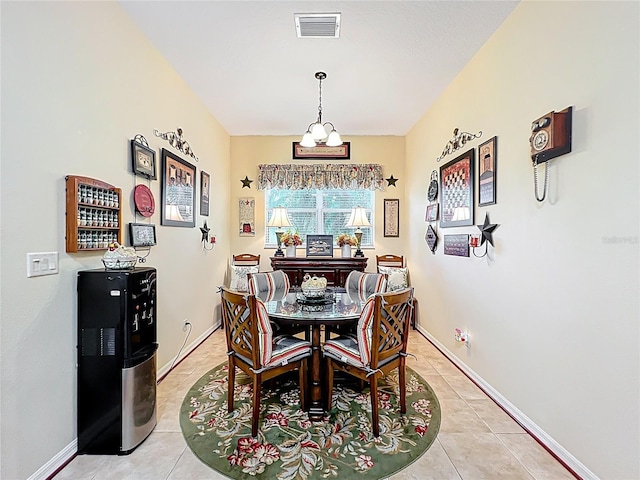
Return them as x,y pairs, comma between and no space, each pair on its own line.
291,240
345,242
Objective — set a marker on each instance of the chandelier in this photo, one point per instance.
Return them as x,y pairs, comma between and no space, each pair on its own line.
317,132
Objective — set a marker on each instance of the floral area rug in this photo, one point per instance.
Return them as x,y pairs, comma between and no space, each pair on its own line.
291,447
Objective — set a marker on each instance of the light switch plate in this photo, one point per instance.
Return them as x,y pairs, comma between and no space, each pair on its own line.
42,263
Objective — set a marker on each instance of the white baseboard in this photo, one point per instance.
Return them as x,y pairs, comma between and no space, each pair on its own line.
62,457
67,453
540,435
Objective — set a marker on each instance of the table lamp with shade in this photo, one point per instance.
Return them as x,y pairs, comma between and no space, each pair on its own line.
279,218
357,220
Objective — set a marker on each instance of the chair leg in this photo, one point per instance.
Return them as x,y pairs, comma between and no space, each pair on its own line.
329,384
257,385
402,378
373,386
231,384
302,371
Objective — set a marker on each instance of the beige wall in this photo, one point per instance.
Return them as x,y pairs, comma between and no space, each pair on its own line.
553,309
249,152
78,82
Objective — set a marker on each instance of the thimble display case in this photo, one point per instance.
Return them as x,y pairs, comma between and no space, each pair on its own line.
94,216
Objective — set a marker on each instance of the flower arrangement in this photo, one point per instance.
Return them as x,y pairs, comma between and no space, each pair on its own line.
290,239
346,239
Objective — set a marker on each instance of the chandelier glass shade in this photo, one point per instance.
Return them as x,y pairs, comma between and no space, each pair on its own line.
317,131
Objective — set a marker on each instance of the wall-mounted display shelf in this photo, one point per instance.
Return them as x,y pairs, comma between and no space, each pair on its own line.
94,217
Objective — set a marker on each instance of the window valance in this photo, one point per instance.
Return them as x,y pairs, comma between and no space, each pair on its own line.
320,176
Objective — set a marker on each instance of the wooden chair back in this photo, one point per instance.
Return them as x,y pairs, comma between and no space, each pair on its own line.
246,259
240,325
389,261
390,328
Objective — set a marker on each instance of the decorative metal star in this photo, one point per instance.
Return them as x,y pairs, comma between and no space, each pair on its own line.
391,181
205,232
246,182
486,230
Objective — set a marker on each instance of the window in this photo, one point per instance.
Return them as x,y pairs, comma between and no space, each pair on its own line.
319,212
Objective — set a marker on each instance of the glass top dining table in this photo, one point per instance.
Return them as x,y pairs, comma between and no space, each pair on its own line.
335,308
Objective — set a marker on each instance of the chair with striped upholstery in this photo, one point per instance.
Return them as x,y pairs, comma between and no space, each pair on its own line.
252,347
269,285
378,347
359,287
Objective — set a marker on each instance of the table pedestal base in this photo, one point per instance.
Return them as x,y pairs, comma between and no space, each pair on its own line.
316,409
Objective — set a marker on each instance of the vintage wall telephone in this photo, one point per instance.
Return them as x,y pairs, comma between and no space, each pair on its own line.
550,138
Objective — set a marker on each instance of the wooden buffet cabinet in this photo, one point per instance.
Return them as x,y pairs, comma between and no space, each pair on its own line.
335,270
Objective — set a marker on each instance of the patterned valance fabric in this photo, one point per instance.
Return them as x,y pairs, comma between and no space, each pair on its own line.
295,177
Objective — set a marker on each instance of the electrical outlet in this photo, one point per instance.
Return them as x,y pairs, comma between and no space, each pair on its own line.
185,325
462,336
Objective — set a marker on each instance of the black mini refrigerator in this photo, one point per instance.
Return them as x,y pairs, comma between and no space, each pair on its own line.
116,359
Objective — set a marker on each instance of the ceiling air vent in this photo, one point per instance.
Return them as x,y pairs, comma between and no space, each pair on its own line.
317,25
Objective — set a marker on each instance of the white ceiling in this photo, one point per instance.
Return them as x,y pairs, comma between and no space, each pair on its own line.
245,62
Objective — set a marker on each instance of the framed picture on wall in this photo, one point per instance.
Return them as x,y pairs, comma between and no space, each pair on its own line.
391,217
487,172
178,191
456,187
205,184
142,234
143,159
341,152
247,216
456,245
432,212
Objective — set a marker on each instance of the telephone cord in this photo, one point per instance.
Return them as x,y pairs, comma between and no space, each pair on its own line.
546,181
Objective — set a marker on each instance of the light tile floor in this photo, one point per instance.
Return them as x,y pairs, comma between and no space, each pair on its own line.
477,440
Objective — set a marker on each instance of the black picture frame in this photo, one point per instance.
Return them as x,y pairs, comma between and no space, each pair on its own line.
178,191
143,160
142,234
457,191
319,245
205,189
487,172
341,152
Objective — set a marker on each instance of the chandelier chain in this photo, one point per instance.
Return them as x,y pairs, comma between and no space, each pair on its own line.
320,102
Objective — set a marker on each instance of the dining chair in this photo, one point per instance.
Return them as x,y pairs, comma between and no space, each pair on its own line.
389,260
378,347
252,347
397,276
246,259
269,285
359,286
241,265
